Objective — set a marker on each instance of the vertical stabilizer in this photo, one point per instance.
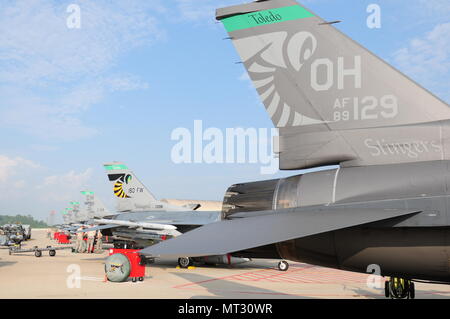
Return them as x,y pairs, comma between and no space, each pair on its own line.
130,193
94,206
334,101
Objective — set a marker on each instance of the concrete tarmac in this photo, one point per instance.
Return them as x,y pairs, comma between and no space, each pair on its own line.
68,275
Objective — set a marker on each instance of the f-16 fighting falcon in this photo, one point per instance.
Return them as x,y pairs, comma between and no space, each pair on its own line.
335,103
143,220
76,216
133,196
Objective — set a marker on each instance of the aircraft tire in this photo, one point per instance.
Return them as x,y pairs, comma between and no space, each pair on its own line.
117,268
283,265
52,253
185,262
38,253
412,291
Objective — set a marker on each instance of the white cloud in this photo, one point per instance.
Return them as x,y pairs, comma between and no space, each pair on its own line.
62,188
125,83
51,75
23,183
202,10
433,7
427,58
36,45
47,118
9,166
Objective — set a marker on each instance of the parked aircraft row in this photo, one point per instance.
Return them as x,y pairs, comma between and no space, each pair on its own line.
334,103
140,219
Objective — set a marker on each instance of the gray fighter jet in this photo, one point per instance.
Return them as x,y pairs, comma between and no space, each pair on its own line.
137,206
78,215
94,206
142,220
336,103
133,196
73,217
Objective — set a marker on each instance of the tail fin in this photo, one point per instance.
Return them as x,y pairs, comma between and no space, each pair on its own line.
315,81
131,194
70,217
66,216
79,212
95,207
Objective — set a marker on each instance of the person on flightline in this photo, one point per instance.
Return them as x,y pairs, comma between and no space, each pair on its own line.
90,240
99,243
79,247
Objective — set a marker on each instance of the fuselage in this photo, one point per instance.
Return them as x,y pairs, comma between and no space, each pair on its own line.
416,247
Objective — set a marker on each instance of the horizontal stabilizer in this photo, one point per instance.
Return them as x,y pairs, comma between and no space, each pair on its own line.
235,235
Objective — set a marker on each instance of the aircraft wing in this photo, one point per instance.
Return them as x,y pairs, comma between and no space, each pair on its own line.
136,224
68,227
149,227
100,227
239,234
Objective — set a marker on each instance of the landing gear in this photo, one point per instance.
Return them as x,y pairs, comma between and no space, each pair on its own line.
399,288
146,260
283,265
412,291
185,262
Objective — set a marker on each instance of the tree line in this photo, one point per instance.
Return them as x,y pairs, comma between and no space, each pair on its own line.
22,219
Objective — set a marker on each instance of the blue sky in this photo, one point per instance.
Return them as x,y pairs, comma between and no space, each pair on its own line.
72,99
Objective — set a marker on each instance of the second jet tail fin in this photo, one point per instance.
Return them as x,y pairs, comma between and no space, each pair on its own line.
131,194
